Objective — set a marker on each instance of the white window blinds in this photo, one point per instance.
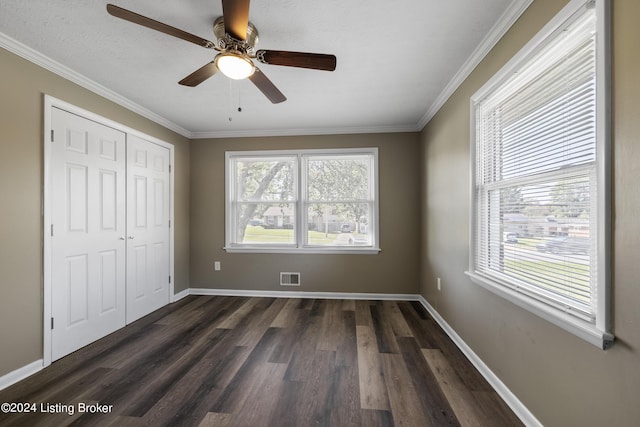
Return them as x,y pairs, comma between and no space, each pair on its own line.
535,225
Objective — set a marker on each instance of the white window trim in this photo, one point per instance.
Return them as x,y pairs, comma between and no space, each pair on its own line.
300,248
598,333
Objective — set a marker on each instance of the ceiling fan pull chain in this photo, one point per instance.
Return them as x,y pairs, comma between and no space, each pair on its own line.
231,99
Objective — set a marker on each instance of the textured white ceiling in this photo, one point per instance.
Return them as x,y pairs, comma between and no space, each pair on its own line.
394,58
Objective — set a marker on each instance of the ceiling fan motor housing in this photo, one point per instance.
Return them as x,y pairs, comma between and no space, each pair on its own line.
225,41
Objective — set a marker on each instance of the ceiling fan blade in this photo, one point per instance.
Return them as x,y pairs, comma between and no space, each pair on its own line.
200,75
314,61
127,15
267,87
236,18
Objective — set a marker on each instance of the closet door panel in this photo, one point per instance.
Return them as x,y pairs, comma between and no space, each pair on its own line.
148,227
88,227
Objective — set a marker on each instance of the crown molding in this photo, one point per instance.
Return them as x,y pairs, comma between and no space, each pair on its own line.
67,73
504,23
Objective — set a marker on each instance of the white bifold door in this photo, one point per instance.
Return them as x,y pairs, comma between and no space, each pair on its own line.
109,230
147,227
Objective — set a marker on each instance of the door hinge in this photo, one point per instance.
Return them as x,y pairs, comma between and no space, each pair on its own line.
51,135
52,323
51,230
169,223
169,279
169,168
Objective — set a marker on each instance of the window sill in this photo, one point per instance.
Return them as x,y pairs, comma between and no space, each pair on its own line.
580,328
310,250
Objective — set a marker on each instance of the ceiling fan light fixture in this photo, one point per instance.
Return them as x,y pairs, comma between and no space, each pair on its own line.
234,65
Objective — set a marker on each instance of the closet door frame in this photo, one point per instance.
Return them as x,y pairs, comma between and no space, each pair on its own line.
49,103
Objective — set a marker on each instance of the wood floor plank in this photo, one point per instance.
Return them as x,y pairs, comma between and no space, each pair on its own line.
263,393
349,305
213,419
405,404
260,322
313,404
373,390
347,351
332,331
285,410
195,393
394,316
290,337
436,407
461,399
245,379
152,359
240,313
416,322
495,409
288,314
385,336
193,307
363,313
375,418
121,421
303,348
236,361
157,337
344,397
158,386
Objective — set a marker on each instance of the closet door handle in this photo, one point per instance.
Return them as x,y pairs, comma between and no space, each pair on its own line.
121,238
130,237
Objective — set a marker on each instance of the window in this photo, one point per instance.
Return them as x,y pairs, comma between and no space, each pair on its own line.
302,201
540,165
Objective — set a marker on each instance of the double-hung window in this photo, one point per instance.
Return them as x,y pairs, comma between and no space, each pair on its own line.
539,234
316,201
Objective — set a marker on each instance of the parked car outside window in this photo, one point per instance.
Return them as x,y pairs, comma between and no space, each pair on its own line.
510,237
565,244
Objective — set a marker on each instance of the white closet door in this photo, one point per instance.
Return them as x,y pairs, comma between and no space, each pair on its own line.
88,232
147,227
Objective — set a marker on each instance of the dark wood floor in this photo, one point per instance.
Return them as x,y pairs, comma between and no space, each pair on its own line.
232,361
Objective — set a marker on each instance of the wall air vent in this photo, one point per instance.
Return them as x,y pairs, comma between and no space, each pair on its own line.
289,279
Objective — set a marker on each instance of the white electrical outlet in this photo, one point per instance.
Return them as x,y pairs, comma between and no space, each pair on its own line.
216,266
439,284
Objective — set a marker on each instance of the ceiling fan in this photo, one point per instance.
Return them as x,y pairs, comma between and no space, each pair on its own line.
236,40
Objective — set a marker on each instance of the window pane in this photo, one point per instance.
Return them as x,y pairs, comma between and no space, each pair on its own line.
265,223
265,179
269,209
339,178
540,235
339,224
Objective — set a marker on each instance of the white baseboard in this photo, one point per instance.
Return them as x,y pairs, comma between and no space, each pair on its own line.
20,374
510,399
302,294
182,294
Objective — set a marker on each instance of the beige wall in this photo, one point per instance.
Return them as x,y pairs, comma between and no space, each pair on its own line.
394,270
563,380
22,89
